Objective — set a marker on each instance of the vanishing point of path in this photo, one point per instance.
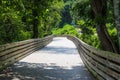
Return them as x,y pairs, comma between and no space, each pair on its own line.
57,61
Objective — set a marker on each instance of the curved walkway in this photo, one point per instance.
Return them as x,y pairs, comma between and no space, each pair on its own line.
57,61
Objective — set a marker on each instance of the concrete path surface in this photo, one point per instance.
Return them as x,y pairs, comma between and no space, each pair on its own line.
57,61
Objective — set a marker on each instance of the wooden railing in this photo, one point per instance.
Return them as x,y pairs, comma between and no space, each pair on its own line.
10,53
104,65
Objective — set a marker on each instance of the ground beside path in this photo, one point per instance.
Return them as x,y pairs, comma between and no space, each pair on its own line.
57,61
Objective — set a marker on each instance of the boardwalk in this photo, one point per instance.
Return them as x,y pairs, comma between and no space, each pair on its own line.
57,61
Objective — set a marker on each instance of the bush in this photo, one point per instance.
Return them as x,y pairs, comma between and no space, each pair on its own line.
67,29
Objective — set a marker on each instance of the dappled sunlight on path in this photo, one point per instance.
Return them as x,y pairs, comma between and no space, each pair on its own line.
57,61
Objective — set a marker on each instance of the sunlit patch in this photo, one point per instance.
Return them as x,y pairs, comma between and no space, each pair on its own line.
63,55
48,68
15,78
62,60
50,77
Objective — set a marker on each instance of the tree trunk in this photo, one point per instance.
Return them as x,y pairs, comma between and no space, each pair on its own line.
105,38
99,8
35,28
117,17
35,23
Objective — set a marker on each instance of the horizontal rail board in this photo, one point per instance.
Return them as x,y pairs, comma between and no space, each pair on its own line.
104,65
103,68
93,71
106,62
14,57
18,52
94,67
17,48
11,53
110,56
15,44
12,50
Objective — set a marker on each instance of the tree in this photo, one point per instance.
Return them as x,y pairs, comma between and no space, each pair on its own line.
10,21
35,13
99,8
117,17
52,17
25,19
66,16
95,14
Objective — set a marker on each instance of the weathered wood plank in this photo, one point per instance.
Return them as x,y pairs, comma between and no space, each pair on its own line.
14,57
19,51
93,72
105,65
109,55
13,52
102,67
107,77
24,46
11,45
16,48
103,61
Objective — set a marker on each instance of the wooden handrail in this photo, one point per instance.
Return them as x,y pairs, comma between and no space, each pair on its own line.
103,64
13,52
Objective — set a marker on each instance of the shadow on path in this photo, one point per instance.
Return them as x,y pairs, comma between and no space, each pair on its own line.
43,71
59,50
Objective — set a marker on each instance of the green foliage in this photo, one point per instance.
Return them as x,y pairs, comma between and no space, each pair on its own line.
24,35
66,16
82,13
10,24
19,18
112,31
86,21
67,29
88,33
